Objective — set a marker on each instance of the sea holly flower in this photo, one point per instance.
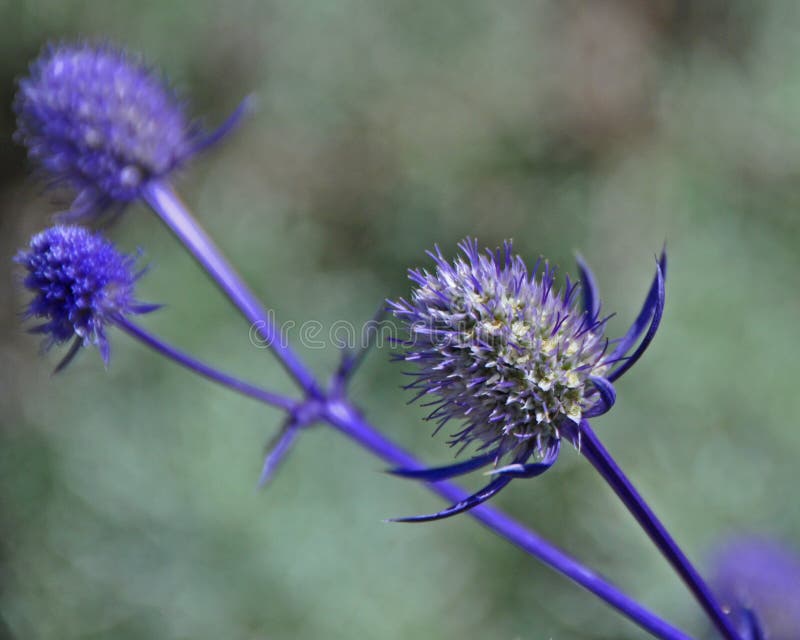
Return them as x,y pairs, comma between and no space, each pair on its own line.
103,123
80,284
514,359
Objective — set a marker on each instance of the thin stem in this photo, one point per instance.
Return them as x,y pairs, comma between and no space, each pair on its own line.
594,451
184,360
341,415
169,207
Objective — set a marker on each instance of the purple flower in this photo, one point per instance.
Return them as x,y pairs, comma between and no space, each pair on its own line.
501,350
759,580
98,120
80,283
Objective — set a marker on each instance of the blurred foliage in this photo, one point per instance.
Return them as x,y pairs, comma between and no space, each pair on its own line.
128,499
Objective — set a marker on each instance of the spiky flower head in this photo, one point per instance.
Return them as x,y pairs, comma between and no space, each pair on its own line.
501,347
99,120
517,361
80,283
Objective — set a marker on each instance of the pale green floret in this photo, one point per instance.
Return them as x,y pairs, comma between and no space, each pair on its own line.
520,329
552,366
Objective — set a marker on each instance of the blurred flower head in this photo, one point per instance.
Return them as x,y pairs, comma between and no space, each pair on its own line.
100,121
759,580
519,362
80,283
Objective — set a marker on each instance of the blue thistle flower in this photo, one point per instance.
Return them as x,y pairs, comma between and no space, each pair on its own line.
80,284
98,120
758,579
500,349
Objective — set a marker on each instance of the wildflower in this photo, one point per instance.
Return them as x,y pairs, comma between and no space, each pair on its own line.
98,120
500,349
80,283
758,579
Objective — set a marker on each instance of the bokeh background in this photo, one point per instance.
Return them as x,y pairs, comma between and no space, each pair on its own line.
128,500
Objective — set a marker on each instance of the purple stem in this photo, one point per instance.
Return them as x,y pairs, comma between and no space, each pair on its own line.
246,389
593,450
341,415
166,203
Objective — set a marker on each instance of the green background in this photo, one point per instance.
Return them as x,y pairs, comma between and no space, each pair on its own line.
128,499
